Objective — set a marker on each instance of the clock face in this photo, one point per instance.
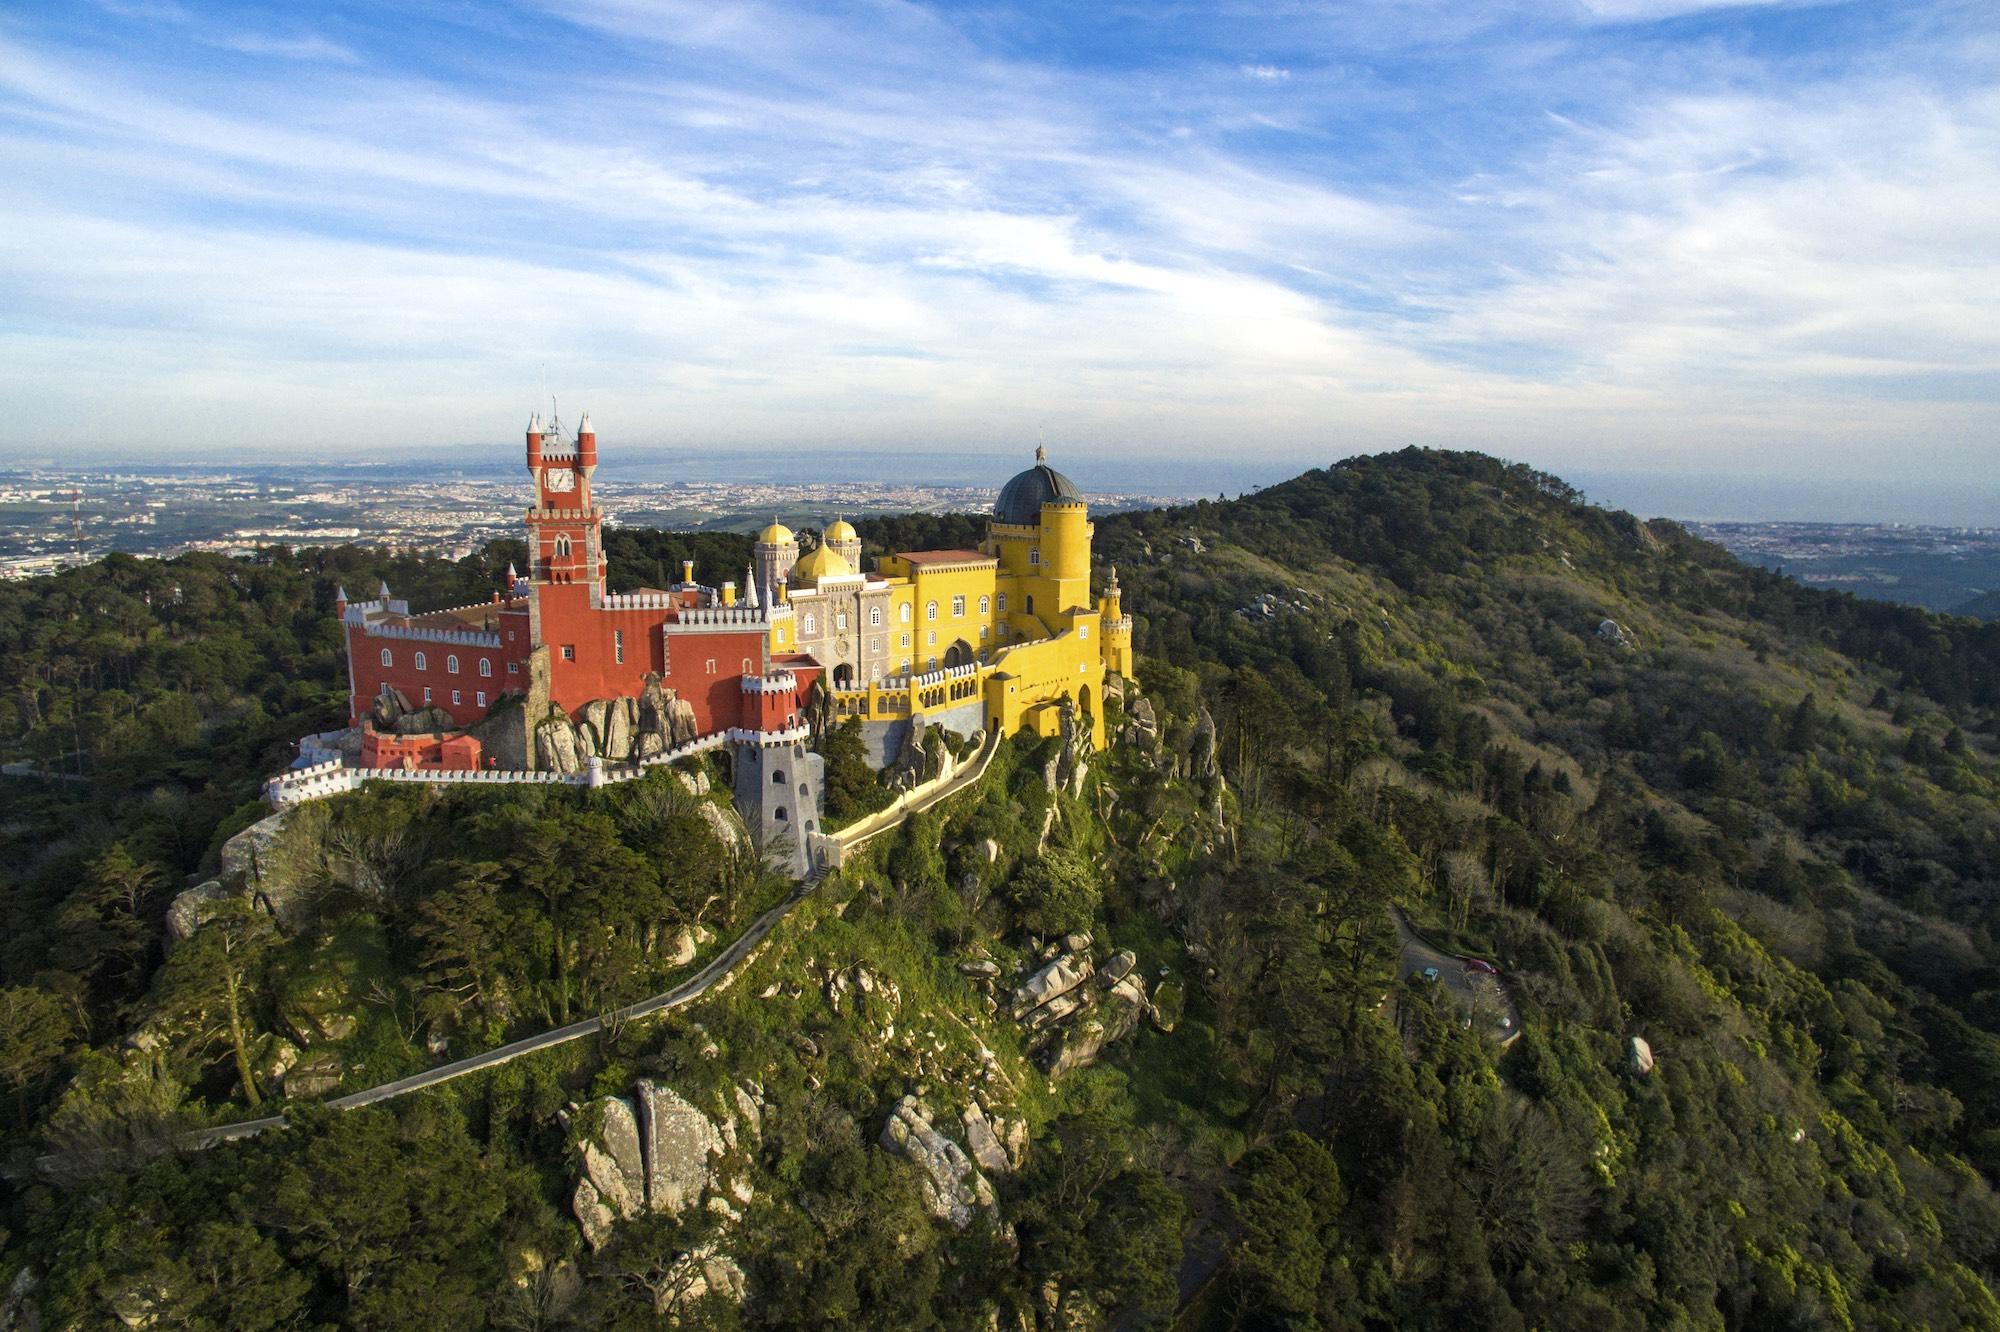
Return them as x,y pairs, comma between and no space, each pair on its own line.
559,481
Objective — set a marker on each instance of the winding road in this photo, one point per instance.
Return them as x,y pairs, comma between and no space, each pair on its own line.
1472,990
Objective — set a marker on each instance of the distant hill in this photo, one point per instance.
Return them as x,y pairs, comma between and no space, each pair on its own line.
1985,606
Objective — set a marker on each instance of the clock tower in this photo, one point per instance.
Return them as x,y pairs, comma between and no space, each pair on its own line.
565,547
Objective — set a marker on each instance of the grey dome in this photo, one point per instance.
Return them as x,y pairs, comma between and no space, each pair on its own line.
1021,499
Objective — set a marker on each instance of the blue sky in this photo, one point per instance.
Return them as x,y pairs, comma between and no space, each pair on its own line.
1619,238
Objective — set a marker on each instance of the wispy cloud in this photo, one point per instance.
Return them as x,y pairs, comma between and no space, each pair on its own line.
1647,225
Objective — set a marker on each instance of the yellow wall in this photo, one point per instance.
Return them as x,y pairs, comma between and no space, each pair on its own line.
1059,650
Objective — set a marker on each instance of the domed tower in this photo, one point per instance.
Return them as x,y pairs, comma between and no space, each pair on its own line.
777,550
821,562
1041,534
841,538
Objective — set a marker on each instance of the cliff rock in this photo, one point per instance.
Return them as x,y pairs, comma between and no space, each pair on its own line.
952,1186
678,1141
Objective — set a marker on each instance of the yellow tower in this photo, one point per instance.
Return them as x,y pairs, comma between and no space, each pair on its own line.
1116,629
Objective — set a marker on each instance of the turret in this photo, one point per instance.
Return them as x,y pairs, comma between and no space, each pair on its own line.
586,444
535,436
841,538
750,586
772,558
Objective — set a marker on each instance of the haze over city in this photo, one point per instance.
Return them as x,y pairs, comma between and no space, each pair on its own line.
1710,260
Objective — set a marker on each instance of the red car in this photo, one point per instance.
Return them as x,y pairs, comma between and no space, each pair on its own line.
1483,968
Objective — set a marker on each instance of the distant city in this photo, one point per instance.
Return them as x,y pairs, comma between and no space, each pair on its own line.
52,518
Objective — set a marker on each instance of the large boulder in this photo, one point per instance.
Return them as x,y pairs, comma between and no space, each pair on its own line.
614,1164
556,746
592,1215
1639,1056
679,1142
619,726
1052,981
191,909
983,1143
953,1189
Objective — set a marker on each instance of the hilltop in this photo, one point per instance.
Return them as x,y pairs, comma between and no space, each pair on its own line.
1126,1039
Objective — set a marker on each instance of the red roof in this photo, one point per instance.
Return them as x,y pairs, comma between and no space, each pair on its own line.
941,556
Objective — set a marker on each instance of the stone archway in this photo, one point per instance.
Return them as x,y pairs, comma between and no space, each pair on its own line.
1083,703
958,654
843,676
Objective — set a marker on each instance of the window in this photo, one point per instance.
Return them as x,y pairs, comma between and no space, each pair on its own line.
1034,554
711,665
569,651
779,814
780,635
451,664
840,620
1003,603
421,663
485,667
958,608
479,699
1083,631
811,625
985,632
455,699
906,665
562,546
802,789
930,610
930,639
985,605
388,659
777,776
427,695
874,617
874,645
513,668
618,644
906,640
905,608
1030,604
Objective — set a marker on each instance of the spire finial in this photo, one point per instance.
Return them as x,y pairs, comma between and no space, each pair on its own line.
1041,454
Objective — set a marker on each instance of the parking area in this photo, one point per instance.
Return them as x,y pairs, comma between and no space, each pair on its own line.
1473,987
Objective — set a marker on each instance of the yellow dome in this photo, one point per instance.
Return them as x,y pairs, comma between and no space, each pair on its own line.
777,534
841,530
821,562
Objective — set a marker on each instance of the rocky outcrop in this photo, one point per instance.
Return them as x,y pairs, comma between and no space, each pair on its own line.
1053,981
983,1143
654,1151
1638,1056
316,1073
1614,633
613,1164
618,730
953,1189
678,1141
191,909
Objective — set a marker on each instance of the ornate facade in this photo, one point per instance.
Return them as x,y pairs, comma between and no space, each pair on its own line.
1001,638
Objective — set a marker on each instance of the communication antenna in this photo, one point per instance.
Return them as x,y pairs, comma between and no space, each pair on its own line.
76,520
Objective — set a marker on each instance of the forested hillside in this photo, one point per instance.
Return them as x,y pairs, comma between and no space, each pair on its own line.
1672,798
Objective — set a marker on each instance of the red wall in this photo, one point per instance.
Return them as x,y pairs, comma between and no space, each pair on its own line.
364,653
458,753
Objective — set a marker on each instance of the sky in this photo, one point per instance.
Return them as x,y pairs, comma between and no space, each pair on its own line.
1741,258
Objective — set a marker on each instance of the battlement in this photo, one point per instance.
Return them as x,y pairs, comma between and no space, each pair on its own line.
776,682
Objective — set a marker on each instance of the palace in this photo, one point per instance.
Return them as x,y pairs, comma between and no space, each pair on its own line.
556,670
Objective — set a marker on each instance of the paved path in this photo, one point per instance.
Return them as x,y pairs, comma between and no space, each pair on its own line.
695,986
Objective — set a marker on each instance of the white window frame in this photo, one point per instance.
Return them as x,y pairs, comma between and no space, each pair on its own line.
388,657
1035,555
986,605
958,607
930,610
874,617
809,625
451,663
423,663
486,668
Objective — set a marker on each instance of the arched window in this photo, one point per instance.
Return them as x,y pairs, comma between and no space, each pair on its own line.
777,776
906,612
562,546
874,617
985,605
930,610
422,665
1034,554
1031,604
779,814
802,789
388,658
451,664
485,666
811,625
